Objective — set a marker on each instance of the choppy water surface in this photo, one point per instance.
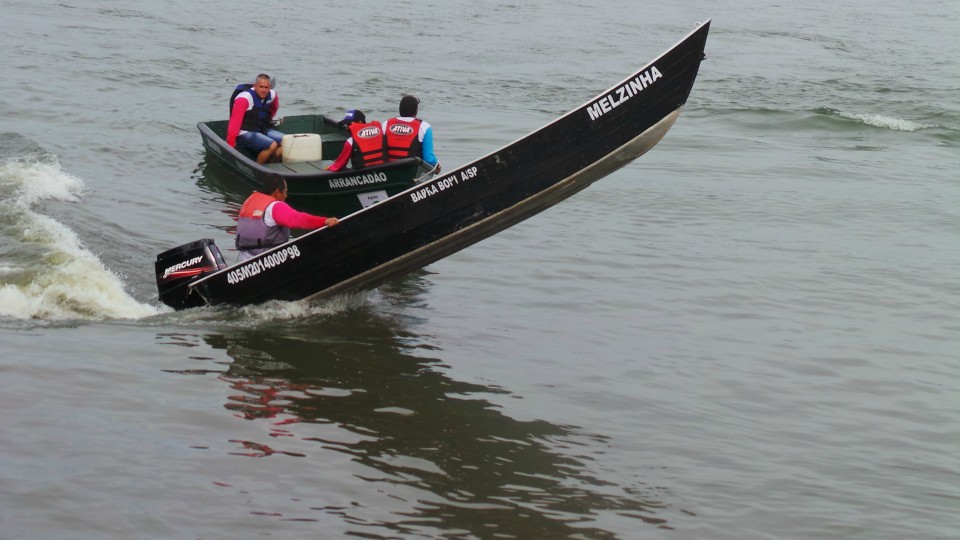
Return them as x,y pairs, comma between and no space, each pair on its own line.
751,332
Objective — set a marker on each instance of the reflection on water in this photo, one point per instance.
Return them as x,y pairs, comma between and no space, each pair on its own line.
214,178
355,384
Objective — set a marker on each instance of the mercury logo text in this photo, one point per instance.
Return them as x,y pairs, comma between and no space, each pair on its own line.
181,266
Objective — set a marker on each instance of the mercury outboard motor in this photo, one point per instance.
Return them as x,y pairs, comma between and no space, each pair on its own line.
180,266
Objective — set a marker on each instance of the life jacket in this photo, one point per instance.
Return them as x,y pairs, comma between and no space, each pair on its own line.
403,138
252,232
368,144
257,118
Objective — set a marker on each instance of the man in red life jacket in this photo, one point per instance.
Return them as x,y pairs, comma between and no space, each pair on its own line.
265,219
408,135
365,147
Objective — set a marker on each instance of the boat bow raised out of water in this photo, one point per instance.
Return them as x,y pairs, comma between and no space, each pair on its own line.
453,210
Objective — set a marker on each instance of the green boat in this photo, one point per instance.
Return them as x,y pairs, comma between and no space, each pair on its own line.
311,144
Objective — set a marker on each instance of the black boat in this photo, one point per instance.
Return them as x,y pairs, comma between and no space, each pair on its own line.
453,210
311,143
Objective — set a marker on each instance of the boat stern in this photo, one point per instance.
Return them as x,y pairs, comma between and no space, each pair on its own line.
177,268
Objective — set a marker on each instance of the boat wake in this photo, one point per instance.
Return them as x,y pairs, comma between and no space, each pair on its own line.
289,314
46,273
881,121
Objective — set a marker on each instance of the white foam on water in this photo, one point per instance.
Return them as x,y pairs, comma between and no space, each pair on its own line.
306,309
886,122
45,270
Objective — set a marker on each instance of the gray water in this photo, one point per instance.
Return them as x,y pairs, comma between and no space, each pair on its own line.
750,332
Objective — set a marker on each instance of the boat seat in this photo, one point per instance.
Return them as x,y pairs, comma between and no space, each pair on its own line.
304,166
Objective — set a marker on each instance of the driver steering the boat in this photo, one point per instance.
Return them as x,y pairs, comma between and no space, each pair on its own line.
265,219
252,110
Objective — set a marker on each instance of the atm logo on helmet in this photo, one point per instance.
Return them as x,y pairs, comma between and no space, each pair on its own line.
401,129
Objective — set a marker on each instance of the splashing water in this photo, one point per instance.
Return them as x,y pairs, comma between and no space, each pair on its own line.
45,271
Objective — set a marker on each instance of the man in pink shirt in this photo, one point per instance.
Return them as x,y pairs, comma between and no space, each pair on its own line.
364,147
252,109
265,219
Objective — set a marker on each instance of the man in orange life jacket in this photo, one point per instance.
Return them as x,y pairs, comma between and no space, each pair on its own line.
265,219
408,135
365,147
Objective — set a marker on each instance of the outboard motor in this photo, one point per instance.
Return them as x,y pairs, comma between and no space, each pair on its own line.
180,266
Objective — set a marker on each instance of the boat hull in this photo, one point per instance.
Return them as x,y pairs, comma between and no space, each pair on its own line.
457,209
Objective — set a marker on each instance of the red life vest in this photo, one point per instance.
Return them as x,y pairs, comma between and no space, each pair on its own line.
403,138
368,144
252,232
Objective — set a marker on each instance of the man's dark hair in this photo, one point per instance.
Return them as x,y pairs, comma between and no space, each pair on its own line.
408,106
271,183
